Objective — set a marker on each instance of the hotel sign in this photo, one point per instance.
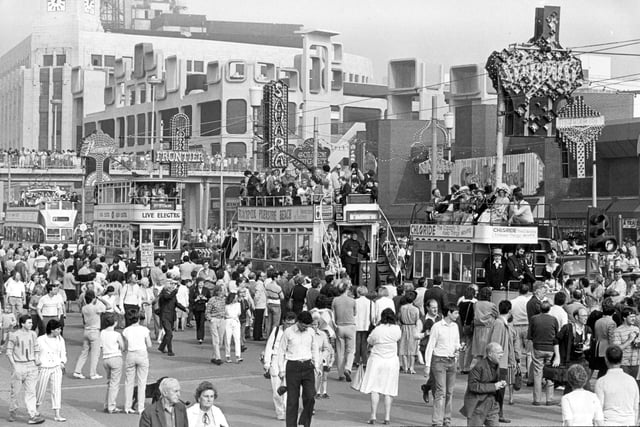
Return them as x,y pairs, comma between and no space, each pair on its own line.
179,156
276,124
284,214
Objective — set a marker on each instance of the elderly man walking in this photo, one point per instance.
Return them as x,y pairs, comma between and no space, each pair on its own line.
480,400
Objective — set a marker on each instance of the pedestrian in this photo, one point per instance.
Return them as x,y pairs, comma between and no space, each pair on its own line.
431,318
168,303
50,306
437,293
344,310
617,392
137,341
23,353
91,314
409,318
15,293
440,360
299,363
543,331
112,345
574,341
480,399
198,297
275,299
580,407
51,366
271,365
259,296
215,316
521,326
466,305
131,296
627,337
204,413
382,374
504,334
232,327
604,333
168,411
363,322
485,313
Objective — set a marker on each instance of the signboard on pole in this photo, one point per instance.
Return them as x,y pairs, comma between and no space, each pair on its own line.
146,254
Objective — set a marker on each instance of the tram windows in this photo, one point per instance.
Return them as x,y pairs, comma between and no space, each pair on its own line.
125,238
117,239
244,243
466,267
426,264
146,236
450,265
456,267
288,246
446,266
162,239
273,244
305,252
101,237
258,244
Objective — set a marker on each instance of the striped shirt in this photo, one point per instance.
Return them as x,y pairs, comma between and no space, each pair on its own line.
630,354
215,308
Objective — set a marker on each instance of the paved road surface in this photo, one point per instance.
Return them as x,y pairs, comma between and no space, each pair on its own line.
245,396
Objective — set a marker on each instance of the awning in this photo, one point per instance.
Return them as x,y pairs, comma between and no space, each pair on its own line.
628,207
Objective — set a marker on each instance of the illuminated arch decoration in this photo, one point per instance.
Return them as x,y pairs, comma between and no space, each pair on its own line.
579,127
420,153
98,146
179,156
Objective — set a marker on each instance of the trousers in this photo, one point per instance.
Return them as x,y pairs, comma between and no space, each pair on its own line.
345,347
54,377
136,367
25,377
90,347
113,372
300,374
167,339
443,370
216,325
361,353
232,331
273,317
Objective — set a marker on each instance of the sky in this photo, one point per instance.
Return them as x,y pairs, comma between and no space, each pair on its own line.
448,32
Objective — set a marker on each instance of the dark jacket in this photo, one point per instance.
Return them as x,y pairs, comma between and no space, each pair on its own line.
167,304
569,348
116,276
438,294
481,389
201,304
153,416
352,246
495,277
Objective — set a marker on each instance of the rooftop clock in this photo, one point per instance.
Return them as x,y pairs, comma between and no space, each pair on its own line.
90,6
56,5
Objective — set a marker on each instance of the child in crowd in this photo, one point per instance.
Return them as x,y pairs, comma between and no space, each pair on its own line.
327,354
8,323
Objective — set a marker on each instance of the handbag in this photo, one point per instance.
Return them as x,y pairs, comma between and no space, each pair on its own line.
467,330
517,380
556,374
356,381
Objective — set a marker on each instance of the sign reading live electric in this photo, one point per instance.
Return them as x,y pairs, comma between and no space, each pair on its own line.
137,215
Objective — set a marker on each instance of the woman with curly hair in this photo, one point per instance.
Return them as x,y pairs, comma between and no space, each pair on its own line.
204,413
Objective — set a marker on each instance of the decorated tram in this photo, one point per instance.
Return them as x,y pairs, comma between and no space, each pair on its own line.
139,217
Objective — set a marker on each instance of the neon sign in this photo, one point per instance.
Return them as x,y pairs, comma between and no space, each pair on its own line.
276,124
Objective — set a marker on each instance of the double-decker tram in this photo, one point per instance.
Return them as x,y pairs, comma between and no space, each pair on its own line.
42,215
139,218
309,237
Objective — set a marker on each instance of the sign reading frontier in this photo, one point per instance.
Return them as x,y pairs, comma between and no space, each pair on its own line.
167,156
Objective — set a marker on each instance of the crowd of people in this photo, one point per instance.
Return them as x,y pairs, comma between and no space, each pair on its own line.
34,159
319,185
314,329
470,204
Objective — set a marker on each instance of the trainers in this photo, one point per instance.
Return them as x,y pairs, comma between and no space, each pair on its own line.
347,375
35,420
96,377
12,416
79,376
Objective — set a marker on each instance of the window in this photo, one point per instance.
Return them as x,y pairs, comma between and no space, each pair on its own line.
61,60
236,116
142,128
236,70
132,96
273,243
109,61
189,66
47,60
143,93
350,77
131,130
162,239
258,244
244,244
210,115
96,60
198,66
305,251
121,131
288,245
426,265
356,78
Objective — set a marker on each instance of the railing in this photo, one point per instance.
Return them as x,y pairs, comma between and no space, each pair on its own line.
210,164
391,248
469,214
41,161
314,199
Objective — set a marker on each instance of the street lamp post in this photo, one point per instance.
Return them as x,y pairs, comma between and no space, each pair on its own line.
54,105
153,81
448,125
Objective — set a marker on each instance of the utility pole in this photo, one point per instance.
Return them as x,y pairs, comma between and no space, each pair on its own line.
500,134
594,182
434,142
315,141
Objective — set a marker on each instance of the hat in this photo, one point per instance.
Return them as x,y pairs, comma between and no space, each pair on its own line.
503,187
473,186
496,251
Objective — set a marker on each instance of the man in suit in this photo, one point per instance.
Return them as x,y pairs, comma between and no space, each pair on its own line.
495,269
435,293
167,305
168,410
480,404
350,250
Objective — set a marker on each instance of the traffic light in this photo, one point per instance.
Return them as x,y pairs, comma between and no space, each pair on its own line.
598,237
